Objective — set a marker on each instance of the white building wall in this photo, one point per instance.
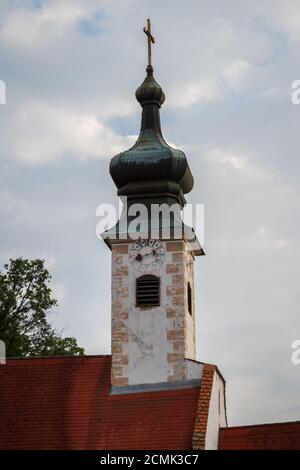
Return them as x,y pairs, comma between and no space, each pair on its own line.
150,344
217,413
190,330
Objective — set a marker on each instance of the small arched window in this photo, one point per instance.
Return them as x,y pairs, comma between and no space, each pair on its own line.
189,298
147,291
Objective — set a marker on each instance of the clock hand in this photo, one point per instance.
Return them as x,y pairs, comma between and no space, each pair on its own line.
152,252
139,257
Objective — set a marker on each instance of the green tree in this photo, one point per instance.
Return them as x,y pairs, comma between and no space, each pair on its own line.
25,301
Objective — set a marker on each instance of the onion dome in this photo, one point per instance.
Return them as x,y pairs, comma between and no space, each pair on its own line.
151,168
150,92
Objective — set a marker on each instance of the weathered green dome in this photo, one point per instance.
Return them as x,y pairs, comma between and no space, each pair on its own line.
151,168
150,92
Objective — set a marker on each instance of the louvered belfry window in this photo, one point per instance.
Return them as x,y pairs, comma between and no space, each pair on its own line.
147,291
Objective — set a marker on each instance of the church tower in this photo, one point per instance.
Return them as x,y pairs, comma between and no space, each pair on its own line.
153,254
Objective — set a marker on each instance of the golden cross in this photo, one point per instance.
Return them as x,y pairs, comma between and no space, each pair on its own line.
147,31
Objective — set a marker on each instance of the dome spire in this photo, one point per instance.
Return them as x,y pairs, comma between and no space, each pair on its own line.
149,92
151,170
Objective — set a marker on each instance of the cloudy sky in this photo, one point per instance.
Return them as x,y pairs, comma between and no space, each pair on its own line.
71,68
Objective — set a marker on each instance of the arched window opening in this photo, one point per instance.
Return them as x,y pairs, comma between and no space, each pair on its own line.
189,298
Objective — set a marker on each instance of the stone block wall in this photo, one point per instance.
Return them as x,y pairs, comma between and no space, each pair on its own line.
149,344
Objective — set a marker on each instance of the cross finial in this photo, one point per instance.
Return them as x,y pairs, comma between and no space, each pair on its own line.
147,31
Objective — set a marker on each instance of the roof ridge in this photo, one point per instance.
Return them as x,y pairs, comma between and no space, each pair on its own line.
260,425
87,356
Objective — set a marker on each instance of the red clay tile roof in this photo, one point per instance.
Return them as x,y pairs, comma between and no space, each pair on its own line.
280,436
64,403
203,406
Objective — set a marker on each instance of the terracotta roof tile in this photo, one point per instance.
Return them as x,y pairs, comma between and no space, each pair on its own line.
203,407
279,436
64,403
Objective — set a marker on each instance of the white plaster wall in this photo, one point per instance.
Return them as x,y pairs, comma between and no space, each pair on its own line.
194,370
217,413
147,346
190,319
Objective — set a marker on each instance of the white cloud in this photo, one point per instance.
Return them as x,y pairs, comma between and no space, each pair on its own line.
26,27
235,71
273,92
59,291
50,261
224,33
284,15
42,132
231,160
12,208
262,230
190,94
280,243
270,239
244,164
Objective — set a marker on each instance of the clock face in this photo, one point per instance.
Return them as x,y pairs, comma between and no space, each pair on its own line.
146,255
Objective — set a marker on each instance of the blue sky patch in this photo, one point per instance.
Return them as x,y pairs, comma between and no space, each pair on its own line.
92,26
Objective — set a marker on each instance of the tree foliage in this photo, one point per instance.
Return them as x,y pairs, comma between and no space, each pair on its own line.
25,301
